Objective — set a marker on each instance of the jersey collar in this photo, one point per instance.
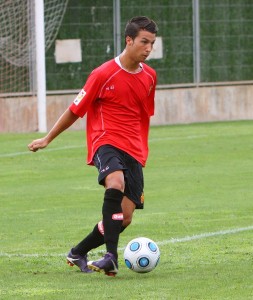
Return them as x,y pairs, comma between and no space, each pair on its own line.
117,60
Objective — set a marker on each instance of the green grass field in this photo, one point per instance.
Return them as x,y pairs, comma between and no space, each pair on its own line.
198,208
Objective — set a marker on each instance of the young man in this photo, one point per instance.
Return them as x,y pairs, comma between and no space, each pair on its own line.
118,98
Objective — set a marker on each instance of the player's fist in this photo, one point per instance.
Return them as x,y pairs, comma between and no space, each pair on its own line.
37,144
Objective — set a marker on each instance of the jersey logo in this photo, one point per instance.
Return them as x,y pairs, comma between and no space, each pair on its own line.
111,87
79,97
142,198
117,217
101,227
105,169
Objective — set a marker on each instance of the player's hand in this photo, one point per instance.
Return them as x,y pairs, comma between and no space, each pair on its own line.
38,144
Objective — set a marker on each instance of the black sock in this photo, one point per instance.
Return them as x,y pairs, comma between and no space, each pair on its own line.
92,240
122,228
112,219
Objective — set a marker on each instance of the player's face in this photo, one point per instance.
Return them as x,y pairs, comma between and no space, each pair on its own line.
141,46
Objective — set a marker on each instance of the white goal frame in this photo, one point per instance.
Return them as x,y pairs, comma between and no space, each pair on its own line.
40,65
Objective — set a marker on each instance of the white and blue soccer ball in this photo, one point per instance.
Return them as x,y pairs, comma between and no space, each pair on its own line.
141,255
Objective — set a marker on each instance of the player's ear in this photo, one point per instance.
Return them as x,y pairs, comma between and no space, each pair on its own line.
129,41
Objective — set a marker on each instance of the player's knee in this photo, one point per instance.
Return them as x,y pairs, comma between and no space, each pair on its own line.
127,221
115,181
117,185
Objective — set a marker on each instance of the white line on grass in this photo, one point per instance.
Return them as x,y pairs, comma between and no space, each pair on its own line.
44,151
189,137
170,241
205,235
83,146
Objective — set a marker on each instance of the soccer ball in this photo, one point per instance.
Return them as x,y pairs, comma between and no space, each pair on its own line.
141,255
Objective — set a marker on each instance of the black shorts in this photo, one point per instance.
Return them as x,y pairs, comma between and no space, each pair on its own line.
109,159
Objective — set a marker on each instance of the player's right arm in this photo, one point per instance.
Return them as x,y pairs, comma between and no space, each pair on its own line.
77,109
64,122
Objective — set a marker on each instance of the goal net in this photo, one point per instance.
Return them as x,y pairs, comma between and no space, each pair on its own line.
17,41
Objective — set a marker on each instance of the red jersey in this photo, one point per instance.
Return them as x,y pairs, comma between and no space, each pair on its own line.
118,106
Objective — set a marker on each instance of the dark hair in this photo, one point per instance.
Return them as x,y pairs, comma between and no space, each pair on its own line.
136,24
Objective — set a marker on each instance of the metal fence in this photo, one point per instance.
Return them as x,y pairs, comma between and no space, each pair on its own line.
203,41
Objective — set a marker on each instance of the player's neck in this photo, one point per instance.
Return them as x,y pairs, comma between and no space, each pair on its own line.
128,64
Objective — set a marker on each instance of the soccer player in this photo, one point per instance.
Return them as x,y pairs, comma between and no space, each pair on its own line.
118,98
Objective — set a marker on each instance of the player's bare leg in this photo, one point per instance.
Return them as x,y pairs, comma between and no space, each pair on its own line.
128,208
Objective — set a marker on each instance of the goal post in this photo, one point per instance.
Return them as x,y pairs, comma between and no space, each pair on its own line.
27,30
40,65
